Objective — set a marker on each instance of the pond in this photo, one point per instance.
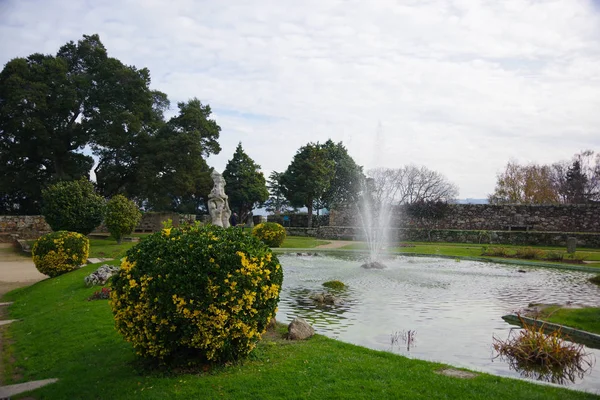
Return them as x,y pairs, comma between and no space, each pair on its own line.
450,309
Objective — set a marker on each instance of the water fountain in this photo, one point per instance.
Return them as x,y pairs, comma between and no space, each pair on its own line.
375,219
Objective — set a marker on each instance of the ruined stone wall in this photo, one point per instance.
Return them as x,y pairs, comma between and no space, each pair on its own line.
23,226
531,238
554,218
34,226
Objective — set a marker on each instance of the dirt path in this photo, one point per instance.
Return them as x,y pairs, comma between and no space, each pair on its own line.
16,270
335,244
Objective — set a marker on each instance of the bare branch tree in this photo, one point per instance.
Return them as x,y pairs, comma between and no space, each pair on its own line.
409,184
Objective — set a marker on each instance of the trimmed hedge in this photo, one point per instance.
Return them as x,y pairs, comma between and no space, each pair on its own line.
73,206
203,291
60,252
272,234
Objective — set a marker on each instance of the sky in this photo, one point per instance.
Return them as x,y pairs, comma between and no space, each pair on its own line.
460,86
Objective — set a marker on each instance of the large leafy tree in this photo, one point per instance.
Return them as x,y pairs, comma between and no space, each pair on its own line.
345,184
171,172
246,186
44,101
308,177
52,107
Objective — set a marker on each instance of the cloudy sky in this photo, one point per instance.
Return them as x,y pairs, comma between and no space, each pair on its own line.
460,86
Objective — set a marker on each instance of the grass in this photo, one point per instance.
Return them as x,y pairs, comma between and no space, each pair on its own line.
302,242
586,319
108,248
475,250
65,336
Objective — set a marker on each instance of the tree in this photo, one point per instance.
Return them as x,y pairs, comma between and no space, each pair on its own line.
122,216
276,203
570,182
51,107
525,184
345,185
409,184
582,178
175,176
42,104
308,177
73,206
246,186
575,184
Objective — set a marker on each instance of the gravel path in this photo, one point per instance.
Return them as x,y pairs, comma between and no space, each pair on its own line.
16,270
335,244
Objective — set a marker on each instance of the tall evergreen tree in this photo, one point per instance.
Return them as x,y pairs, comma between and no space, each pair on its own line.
246,186
576,183
277,202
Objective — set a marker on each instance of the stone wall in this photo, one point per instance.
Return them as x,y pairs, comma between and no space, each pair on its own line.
554,218
396,235
34,226
22,226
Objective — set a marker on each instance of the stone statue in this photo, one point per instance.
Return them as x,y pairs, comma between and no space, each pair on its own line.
218,206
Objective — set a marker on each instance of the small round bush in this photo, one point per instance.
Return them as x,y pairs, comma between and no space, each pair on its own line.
59,252
122,216
336,285
73,206
271,233
203,291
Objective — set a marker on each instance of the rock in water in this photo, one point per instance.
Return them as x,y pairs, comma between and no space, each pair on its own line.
299,329
373,265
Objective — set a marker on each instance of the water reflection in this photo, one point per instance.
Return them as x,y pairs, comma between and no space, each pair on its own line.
559,374
320,314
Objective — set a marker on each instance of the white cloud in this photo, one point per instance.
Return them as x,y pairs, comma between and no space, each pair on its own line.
459,86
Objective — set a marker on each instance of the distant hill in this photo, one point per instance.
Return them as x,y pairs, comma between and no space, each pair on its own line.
472,201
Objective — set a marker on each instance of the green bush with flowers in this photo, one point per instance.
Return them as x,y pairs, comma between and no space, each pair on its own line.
203,291
270,233
60,252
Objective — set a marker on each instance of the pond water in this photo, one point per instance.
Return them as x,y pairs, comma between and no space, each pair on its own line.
452,309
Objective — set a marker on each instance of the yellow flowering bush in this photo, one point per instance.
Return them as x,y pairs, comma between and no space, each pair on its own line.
205,291
59,252
270,233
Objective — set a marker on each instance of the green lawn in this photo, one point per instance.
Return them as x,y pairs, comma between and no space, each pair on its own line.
109,248
301,242
587,319
475,250
65,336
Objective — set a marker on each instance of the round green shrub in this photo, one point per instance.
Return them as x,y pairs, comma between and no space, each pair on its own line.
72,206
59,252
336,285
270,233
122,216
205,291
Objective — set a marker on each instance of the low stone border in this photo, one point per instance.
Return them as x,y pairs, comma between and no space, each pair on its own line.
587,338
12,390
